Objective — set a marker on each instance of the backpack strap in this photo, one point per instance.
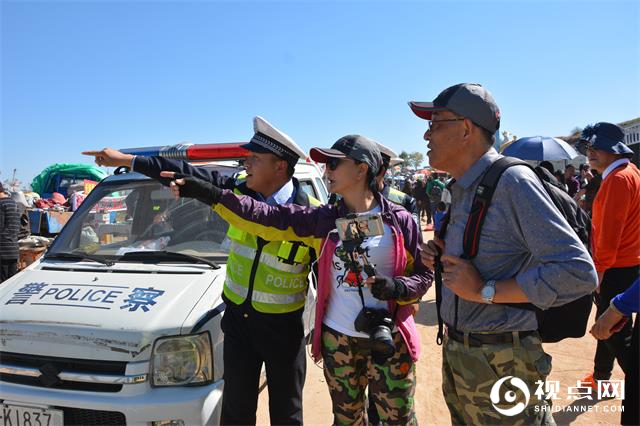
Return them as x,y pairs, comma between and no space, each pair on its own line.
481,202
437,273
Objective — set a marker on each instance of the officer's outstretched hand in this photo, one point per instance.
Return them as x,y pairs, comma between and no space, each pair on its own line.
192,187
110,157
386,288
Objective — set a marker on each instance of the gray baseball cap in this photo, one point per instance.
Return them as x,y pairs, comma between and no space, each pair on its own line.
469,100
357,147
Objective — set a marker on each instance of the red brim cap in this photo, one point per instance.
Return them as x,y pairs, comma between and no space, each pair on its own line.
424,109
322,155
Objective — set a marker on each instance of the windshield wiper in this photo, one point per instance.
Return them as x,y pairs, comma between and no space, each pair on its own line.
79,256
161,255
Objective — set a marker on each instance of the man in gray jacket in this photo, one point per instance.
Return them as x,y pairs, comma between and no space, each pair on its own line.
528,253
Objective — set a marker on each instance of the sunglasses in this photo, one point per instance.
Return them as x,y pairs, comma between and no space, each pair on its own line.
333,163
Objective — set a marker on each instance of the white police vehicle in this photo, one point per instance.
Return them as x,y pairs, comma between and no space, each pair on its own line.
119,322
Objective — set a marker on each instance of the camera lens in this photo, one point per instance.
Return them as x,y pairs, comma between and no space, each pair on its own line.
382,342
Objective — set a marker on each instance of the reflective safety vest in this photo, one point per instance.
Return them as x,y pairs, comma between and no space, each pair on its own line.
274,274
395,196
401,199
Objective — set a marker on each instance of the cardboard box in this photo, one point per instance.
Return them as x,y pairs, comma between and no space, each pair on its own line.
29,255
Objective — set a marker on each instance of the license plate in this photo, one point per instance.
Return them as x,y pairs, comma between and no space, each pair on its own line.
19,415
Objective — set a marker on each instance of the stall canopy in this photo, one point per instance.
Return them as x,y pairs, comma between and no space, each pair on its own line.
58,177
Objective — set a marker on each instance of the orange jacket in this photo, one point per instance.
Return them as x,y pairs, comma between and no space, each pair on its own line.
616,220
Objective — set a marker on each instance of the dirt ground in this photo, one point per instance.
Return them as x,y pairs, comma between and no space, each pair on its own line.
572,359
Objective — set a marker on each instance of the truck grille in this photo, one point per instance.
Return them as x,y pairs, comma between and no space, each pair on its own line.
53,364
81,416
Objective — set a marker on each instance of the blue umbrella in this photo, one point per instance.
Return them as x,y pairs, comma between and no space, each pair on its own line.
540,148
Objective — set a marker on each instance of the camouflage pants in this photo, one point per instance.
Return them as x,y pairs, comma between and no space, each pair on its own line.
470,377
348,369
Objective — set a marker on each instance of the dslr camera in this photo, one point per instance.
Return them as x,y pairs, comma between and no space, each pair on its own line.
377,323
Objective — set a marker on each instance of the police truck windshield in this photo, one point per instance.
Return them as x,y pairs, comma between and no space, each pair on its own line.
140,215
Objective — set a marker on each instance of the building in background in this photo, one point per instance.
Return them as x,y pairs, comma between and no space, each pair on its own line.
632,137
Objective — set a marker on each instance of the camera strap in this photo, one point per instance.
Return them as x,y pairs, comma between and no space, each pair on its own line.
355,267
351,247
438,280
360,288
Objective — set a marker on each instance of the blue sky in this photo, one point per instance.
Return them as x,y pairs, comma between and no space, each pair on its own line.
89,74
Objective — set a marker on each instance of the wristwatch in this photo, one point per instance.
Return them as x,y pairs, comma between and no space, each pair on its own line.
488,291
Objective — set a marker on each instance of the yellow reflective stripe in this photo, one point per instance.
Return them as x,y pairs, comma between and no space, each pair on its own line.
269,233
285,249
300,254
235,233
314,202
267,259
396,196
262,297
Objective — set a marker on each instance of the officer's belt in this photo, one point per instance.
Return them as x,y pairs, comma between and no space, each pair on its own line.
479,339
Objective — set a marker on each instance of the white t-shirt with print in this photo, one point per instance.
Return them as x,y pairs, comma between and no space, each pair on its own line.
344,302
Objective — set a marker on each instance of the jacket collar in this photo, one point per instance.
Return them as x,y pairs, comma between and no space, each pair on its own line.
478,168
613,166
284,195
301,197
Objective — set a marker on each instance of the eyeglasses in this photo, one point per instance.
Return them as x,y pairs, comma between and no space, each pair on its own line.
432,122
583,147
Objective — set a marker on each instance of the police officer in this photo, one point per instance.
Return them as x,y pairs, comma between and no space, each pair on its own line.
266,283
389,157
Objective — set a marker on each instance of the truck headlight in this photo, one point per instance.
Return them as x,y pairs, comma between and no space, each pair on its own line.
182,360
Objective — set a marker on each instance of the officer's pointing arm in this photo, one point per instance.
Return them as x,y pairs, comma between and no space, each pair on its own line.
273,223
149,166
153,167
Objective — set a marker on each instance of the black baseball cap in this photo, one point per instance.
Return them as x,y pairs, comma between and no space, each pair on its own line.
357,147
469,100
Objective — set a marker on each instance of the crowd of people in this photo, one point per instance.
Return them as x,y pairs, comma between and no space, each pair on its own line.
368,286
432,197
